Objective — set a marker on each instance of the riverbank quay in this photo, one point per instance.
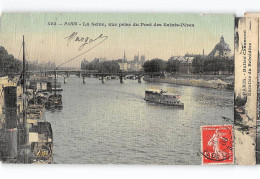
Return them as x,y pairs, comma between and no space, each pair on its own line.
25,135
205,81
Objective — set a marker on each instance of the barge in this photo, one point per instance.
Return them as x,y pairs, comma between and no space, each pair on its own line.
54,102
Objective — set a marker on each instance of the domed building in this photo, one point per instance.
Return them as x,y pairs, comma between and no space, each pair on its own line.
221,50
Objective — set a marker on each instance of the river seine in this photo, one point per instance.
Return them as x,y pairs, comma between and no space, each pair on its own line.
111,123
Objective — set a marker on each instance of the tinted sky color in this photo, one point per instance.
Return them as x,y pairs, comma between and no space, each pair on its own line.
48,43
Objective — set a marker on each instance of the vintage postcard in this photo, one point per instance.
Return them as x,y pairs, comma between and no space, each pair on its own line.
257,15
246,57
118,88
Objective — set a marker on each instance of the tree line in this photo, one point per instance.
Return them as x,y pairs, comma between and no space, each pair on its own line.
159,65
111,66
200,65
8,64
214,64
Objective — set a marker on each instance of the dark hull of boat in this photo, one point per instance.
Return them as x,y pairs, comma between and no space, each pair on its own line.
54,102
178,105
50,106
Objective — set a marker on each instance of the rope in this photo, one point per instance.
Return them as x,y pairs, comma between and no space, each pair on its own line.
81,53
20,50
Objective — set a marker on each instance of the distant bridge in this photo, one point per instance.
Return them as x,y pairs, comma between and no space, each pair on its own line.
102,75
92,72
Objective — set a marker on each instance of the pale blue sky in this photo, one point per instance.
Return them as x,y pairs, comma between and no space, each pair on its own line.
47,43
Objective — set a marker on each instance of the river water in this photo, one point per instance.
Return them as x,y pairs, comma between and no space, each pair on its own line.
111,123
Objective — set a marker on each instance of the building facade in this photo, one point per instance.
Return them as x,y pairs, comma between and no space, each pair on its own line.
133,65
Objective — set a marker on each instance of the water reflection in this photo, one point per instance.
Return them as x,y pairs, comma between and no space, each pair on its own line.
111,123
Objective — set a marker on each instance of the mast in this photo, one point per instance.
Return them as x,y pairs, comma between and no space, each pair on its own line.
24,83
25,126
55,82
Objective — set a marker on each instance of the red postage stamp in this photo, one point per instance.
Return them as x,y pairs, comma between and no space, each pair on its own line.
217,144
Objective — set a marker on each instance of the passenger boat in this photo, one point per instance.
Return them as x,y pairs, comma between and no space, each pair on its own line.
163,97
